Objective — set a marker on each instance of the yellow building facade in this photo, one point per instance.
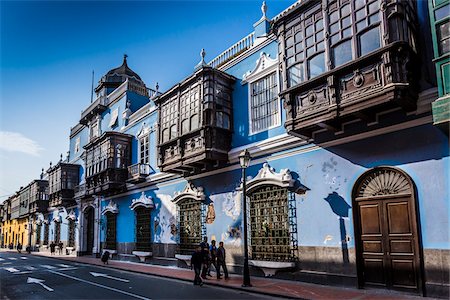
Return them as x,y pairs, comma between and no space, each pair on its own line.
15,231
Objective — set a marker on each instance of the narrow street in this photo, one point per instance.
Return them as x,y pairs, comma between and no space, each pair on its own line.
32,277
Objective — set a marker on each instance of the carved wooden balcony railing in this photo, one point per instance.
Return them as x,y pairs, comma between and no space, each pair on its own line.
80,191
107,159
138,172
62,180
344,61
195,123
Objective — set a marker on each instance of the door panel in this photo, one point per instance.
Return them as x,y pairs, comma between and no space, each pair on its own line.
398,217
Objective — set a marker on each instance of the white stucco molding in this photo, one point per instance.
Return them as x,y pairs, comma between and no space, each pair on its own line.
56,216
71,216
267,176
190,191
111,208
143,200
39,219
264,66
145,130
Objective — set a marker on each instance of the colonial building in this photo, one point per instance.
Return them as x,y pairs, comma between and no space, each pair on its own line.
348,181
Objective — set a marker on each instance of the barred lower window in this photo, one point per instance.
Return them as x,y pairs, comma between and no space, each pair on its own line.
111,220
46,233
38,234
271,234
143,234
144,149
71,234
57,236
264,104
190,225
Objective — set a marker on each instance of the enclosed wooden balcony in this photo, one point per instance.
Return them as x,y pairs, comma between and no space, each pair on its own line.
62,180
195,118
345,61
107,159
39,196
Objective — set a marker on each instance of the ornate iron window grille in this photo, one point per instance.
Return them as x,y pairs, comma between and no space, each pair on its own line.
273,224
38,234
191,225
57,232
142,230
46,233
71,234
111,222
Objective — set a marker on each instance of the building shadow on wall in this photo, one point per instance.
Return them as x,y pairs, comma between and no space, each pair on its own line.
340,207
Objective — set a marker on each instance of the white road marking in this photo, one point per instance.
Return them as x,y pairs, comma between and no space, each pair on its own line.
48,267
7,263
2,259
23,257
11,270
63,265
30,268
102,286
67,269
22,272
107,276
40,282
12,258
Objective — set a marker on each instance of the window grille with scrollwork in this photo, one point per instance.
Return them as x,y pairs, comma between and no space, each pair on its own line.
46,233
273,224
111,220
57,232
191,222
143,233
71,234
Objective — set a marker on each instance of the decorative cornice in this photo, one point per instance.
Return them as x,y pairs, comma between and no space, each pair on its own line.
264,65
267,176
110,208
145,130
190,191
143,200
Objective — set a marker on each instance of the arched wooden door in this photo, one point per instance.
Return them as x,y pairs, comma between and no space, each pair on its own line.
386,230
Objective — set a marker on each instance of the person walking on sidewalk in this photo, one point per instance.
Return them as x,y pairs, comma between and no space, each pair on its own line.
60,248
196,263
206,256
19,247
52,248
213,254
221,256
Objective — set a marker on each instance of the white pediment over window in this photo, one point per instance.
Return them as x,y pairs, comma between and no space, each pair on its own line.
56,216
111,208
145,130
114,117
71,216
264,65
190,191
267,176
143,200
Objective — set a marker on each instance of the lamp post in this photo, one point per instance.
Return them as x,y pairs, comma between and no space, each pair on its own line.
244,160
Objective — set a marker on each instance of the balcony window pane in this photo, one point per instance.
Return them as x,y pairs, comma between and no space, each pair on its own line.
342,53
264,111
374,7
316,65
345,10
442,12
334,28
309,41
298,37
374,18
290,51
300,56
360,14
443,33
346,22
299,47
320,46
309,30
359,3
369,41
290,60
194,122
334,16
289,41
347,32
361,25
310,51
319,36
335,38
319,25
295,75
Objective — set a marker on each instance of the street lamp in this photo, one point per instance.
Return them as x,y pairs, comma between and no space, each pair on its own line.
244,161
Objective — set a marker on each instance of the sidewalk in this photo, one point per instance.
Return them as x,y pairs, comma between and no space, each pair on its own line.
267,286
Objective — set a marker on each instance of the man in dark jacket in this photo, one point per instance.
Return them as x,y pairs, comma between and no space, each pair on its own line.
206,256
196,263
221,256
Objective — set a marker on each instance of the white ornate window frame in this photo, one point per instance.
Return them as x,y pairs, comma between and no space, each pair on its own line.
190,191
110,208
264,67
71,216
142,201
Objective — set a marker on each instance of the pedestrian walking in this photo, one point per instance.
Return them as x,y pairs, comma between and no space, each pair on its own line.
60,247
213,255
221,257
52,248
206,256
196,263
19,247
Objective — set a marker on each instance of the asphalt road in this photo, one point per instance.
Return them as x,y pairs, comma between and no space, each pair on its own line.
33,277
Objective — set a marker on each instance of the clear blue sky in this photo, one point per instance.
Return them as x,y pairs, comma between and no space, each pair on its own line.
49,49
